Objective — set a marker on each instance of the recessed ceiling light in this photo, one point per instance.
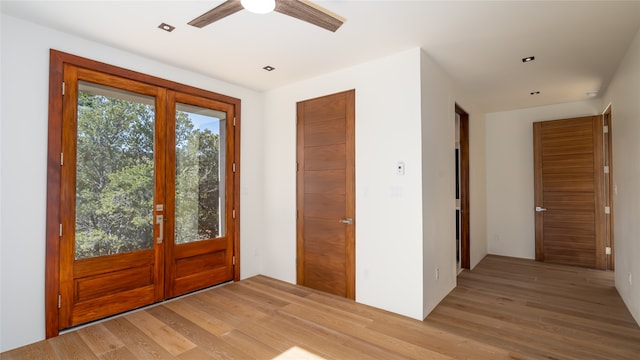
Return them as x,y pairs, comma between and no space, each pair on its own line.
534,93
528,59
166,27
269,68
592,93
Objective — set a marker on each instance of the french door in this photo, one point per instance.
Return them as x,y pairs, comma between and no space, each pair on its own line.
147,180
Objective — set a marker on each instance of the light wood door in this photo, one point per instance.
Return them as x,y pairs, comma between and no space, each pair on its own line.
568,174
326,194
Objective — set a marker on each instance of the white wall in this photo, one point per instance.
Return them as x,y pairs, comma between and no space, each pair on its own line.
25,66
624,96
438,99
509,144
405,225
388,213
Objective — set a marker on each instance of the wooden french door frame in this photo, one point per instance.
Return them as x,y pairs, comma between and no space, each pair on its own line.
465,216
57,62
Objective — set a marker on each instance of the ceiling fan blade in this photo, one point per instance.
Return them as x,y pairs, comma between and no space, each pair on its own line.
310,12
221,11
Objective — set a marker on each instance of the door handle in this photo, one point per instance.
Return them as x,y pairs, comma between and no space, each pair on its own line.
348,221
160,222
540,209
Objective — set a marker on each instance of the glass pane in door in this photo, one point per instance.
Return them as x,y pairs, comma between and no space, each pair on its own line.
200,173
114,171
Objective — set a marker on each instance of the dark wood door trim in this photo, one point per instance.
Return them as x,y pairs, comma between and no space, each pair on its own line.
537,183
598,170
465,216
609,188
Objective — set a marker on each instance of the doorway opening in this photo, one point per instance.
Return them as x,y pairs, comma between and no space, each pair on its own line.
462,189
609,187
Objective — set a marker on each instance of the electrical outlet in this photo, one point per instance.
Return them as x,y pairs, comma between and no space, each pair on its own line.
630,279
437,273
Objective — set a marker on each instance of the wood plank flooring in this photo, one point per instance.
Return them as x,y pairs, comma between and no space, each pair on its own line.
505,309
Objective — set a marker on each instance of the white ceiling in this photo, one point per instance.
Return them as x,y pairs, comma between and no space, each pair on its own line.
577,44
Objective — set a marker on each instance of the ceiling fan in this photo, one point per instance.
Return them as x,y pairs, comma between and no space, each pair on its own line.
304,10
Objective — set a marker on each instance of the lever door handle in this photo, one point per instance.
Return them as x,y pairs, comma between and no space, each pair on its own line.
160,222
540,209
347,221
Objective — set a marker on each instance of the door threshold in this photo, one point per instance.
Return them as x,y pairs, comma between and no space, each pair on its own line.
99,321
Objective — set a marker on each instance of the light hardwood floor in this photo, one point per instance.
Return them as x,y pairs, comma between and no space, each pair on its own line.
505,309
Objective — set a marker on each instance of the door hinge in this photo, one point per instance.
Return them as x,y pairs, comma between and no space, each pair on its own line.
234,121
607,250
607,210
233,167
233,213
63,88
233,260
605,129
61,159
60,229
59,301
606,169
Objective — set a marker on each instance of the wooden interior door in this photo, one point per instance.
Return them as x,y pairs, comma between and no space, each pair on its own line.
109,259
568,174
200,200
326,194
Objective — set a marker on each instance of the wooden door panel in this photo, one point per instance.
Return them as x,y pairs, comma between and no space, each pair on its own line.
325,109
93,287
95,266
325,194
569,242
568,182
563,164
327,157
325,206
325,182
568,200
325,132
568,172
324,230
112,304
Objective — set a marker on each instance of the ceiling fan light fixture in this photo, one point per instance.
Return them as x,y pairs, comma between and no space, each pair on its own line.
259,6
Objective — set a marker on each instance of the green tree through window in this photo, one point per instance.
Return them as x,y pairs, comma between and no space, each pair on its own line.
115,175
